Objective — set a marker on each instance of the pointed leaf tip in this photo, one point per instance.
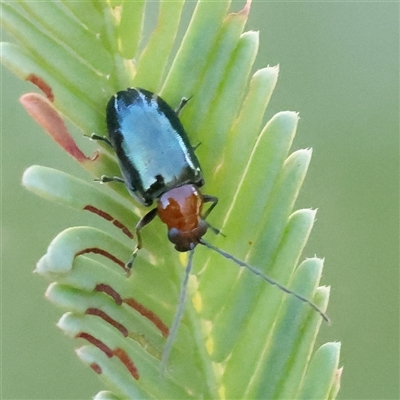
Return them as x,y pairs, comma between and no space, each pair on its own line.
106,395
245,11
322,372
43,113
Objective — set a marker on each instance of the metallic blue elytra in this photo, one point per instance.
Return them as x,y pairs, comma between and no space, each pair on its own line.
152,147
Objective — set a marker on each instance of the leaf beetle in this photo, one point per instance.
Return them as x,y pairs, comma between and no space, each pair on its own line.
158,163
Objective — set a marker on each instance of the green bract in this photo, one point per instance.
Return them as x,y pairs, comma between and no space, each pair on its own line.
240,337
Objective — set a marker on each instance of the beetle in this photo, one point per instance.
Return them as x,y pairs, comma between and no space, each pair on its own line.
158,163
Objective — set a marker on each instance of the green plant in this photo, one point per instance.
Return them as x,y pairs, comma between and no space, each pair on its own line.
239,338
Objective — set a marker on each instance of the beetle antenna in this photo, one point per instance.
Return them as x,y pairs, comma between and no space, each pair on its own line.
266,278
178,315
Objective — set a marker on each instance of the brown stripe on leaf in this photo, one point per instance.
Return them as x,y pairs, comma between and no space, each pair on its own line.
102,287
99,313
96,342
127,361
104,253
109,217
155,319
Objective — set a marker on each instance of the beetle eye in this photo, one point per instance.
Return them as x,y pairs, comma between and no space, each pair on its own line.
187,240
179,239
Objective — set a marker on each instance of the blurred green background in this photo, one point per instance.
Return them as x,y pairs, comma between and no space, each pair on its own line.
339,67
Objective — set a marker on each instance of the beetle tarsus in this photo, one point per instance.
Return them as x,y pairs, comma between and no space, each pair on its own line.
93,136
215,230
196,147
129,264
182,104
106,179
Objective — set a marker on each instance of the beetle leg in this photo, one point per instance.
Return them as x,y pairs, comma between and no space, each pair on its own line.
182,104
105,179
93,136
139,226
196,147
209,199
214,229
